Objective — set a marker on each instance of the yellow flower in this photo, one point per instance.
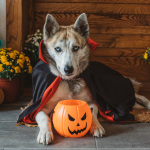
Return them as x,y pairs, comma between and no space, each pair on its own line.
16,52
27,59
11,70
30,69
21,65
2,50
22,53
3,59
17,69
22,57
8,49
7,63
12,55
2,53
13,67
145,55
1,67
20,62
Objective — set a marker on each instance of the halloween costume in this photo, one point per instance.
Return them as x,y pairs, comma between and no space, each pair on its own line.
113,93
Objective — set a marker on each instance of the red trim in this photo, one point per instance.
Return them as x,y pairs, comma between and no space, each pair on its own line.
109,118
40,53
91,43
106,112
49,92
103,114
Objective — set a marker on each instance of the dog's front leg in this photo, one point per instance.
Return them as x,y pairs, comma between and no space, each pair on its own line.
45,135
96,128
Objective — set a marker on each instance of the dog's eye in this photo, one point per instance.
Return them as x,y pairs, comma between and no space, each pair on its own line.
75,48
58,49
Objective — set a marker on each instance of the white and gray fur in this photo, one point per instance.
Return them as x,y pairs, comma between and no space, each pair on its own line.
72,87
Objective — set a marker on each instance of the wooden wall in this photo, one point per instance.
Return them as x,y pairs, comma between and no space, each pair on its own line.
17,23
121,27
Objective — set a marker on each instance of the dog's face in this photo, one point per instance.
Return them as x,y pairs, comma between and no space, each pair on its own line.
67,46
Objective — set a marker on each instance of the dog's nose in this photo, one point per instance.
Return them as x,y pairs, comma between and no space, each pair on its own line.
68,70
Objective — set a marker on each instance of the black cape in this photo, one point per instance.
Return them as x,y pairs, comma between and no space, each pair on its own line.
113,93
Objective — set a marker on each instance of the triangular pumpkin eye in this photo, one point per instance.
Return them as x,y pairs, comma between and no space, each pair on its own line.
71,118
84,117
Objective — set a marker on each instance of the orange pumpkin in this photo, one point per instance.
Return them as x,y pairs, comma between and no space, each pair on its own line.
72,118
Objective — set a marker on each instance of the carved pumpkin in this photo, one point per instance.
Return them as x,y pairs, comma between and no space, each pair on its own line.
72,118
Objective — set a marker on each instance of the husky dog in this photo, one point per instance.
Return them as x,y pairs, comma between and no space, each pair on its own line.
67,61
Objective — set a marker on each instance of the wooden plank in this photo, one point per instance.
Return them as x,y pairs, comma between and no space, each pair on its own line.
118,52
121,30
133,67
124,62
145,89
25,21
115,24
24,32
94,8
31,16
145,86
17,23
121,41
14,24
146,94
97,1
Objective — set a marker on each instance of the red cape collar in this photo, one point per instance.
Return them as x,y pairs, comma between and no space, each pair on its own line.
91,43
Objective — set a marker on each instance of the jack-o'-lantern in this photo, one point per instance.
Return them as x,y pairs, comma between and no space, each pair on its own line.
72,118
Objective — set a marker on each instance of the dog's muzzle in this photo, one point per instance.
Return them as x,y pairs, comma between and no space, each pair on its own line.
68,70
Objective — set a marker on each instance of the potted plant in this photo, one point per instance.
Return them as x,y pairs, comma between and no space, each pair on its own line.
31,48
13,66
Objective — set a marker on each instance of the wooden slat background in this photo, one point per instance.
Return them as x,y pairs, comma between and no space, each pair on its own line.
121,27
17,25
99,1
14,24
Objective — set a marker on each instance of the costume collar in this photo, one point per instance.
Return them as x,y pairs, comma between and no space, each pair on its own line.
91,43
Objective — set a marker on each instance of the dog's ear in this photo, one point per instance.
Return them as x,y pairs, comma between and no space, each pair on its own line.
50,27
81,26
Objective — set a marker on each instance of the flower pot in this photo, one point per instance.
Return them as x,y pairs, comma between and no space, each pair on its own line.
10,89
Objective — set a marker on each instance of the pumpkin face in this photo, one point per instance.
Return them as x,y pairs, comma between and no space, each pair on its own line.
72,118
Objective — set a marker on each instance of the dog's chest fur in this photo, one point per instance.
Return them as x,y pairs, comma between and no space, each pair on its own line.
76,89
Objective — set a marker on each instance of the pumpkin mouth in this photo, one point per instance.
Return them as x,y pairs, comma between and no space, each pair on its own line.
78,131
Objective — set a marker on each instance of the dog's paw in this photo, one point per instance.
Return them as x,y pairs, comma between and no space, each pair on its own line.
45,137
97,130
